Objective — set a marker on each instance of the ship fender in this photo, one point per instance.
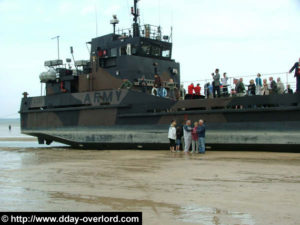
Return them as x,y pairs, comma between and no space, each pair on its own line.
164,92
154,91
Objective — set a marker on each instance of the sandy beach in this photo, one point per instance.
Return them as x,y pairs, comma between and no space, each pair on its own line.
227,188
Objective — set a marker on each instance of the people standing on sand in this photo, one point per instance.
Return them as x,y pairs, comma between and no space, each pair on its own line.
201,136
9,127
296,67
179,134
172,135
195,141
187,134
259,85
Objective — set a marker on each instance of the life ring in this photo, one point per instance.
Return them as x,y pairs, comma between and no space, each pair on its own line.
154,91
164,92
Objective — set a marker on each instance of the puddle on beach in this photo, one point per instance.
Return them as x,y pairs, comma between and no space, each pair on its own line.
213,216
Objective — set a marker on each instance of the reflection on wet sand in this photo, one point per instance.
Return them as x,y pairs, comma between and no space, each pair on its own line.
227,188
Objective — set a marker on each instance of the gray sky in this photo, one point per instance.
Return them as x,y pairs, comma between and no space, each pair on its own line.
241,37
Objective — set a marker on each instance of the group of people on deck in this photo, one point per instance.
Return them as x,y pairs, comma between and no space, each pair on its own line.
187,136
260,87
219,86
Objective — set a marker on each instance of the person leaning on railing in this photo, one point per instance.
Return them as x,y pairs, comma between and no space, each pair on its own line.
273,86
126,84
240,88
265,88
216,85
225,85
280,86
288,90
171,86
182,93
143,84
158,85
251,88
259,85
296,67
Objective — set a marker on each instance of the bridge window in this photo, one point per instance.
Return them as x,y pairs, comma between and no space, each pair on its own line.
114,52
166,53
146,49
155,51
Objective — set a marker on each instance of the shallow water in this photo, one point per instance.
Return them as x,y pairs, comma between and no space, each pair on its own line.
15,128
15,139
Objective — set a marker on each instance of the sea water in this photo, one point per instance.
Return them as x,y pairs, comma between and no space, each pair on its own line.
15,139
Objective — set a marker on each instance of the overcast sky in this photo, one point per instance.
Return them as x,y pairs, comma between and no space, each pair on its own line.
241,37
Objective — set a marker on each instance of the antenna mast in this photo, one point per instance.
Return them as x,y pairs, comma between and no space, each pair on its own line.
136,13
57,37
96,20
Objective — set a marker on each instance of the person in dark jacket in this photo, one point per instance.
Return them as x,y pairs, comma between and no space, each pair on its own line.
288,90
296,67
206,90
157,85
273,86
251,88
216,85
179,135
143,84
201,136
239,87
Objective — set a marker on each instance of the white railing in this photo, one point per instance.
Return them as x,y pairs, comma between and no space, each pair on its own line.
286,78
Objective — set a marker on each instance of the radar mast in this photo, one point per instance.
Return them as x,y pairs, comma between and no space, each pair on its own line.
136,13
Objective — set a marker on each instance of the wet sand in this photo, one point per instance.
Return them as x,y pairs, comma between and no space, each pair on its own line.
19,139
219,188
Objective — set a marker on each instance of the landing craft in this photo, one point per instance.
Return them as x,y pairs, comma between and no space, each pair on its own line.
85,107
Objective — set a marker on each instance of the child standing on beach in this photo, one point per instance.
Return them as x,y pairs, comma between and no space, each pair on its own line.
172,135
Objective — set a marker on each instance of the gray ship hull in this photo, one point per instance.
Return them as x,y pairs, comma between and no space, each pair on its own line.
155,137
136,120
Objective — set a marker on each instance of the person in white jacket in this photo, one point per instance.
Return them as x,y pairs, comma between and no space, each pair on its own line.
172,135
